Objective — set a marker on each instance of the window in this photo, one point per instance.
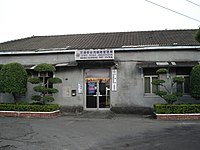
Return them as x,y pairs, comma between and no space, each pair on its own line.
44,77
183,87
148,87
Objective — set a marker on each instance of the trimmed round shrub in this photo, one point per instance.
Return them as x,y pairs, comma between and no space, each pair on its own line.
52,90
170,98
48,98
161,93
55,80
195,82
45,68
158,82
179,79
36,97
40,88
34,80
162,71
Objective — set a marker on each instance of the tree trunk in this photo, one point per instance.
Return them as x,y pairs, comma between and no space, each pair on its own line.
15,97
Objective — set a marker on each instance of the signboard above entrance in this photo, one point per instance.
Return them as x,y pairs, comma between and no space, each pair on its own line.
97,54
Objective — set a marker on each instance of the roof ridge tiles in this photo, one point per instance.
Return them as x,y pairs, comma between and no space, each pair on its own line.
95,33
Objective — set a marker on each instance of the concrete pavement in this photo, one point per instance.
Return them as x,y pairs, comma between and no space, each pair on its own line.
98,132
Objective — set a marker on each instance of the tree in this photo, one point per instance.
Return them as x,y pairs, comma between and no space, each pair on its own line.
167,92
13,79
197,35
1,65
195,82
43,82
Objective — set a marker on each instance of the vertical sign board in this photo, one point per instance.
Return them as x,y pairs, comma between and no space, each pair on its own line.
114,80
80,88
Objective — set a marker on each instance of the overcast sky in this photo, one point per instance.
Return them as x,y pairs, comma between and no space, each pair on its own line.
25,18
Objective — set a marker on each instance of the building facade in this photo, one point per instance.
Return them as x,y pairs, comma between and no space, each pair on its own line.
105,70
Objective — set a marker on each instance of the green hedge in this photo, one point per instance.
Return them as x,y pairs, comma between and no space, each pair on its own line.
176,109
28,107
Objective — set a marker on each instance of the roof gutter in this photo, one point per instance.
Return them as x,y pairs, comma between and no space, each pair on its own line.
38,51
144,48
123,48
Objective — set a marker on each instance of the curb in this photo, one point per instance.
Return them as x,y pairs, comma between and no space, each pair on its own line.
195,116
29,114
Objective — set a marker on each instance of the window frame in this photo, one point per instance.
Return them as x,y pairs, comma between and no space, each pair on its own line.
44,79
151,85
183,84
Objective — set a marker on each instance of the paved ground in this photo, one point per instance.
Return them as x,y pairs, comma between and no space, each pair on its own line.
94,131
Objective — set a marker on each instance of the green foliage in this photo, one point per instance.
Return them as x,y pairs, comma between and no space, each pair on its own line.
178,79
176,108
34,80
170,98
55,80
36,97
1,65
162,71
168,94
52,90
158,82
161,93
45,68
179,94
48,98
197,35
195,82
13,78
40,88
28,107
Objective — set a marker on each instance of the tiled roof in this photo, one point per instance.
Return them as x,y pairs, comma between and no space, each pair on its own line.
104,40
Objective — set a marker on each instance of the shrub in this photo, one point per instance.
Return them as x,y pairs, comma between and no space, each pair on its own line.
45,83
36,97
40,88
45,68
34,80
176,108
178,79
1,65
167,94
170,98
47,98
162,71
197,35
55,80
161,93
52,90
13,79
158,82
29,107
194,82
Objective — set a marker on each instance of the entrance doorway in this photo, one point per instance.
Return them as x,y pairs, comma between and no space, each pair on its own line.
98,93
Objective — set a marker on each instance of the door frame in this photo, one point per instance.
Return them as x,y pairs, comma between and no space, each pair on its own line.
85,98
